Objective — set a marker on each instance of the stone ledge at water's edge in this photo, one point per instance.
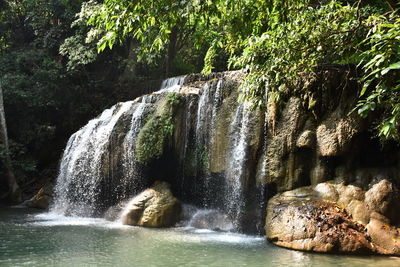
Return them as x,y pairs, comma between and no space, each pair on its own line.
335,218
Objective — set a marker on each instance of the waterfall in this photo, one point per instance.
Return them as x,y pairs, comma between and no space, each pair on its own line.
209,102
96,164
239,137
81,164
131,179
99,168
170,82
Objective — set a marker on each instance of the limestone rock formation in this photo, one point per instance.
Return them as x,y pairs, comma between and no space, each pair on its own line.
316,138
194,135
384,198
336,218
155,207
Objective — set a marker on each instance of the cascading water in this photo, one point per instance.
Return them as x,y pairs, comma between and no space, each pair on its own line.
209,102
239,137
131,178
236,170
92,152
172,84
99,168
77,186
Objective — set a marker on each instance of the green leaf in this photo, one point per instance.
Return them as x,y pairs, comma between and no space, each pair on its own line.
386,130
394,66
102,46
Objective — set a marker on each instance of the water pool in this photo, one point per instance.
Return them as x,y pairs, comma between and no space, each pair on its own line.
28,238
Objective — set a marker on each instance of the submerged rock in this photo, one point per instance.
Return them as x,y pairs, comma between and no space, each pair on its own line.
336,218
155,207
211,219
114,212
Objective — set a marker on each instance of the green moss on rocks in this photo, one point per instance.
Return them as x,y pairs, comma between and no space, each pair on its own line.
157,130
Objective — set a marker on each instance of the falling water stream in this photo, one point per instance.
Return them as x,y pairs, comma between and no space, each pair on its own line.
240,128
88,172
77,186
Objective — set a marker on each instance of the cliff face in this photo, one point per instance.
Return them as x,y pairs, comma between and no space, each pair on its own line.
317,138
345,180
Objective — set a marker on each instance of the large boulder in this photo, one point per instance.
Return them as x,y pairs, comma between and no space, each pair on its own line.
300,220
155,207
336,218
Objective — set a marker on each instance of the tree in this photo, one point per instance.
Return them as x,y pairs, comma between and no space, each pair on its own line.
14,192
163,28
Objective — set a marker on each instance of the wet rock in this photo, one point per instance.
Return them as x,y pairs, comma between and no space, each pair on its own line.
314,225
336,218
155,207
211,219
114,212
220,149
306,139
42,198
384,198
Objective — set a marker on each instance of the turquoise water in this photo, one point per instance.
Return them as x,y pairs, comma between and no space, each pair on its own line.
32,239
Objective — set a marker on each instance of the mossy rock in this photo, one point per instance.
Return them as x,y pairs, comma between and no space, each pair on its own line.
158,129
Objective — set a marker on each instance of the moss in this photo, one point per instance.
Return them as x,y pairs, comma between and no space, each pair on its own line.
157,130
203,159
197,160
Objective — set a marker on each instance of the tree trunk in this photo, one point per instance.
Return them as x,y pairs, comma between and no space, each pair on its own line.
171,51
14,192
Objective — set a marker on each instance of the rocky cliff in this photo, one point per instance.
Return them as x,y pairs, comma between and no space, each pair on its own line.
317,138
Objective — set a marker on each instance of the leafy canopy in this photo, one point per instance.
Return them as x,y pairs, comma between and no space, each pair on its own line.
275,41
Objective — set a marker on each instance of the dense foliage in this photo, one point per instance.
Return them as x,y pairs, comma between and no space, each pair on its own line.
381,81
275,41
55,79
54,82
